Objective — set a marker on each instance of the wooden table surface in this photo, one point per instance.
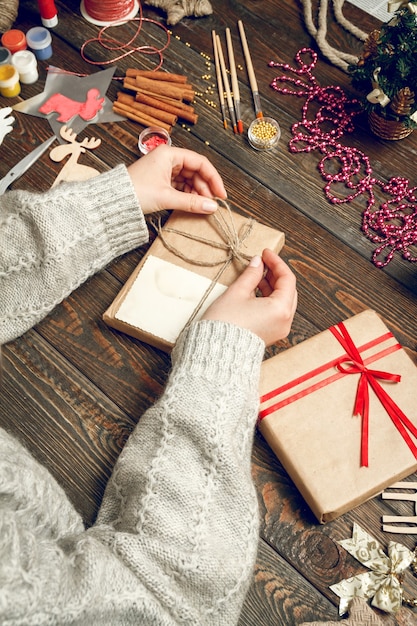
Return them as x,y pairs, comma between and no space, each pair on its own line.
74,389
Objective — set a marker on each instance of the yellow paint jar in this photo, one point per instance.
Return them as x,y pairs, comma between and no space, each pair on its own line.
9,81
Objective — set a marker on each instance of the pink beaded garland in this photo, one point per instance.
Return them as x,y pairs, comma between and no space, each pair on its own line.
391,224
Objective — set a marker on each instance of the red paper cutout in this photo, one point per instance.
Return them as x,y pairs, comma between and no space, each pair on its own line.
68,108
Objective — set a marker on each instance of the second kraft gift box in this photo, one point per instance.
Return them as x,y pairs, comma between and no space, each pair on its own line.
191,262
310,395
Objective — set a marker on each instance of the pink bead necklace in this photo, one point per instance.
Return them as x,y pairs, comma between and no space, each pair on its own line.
327,115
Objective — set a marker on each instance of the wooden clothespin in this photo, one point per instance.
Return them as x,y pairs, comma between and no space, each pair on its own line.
387,520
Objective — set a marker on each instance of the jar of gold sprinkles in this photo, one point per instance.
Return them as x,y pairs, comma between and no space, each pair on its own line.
264,133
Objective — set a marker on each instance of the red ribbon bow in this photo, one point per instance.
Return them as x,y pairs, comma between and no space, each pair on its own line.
370,377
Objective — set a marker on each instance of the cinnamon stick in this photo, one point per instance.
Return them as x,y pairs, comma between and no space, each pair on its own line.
157,75
183,92
129,83
138,116
159,97
182,111
153,111
172,101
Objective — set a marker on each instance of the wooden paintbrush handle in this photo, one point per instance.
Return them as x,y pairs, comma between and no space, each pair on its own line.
251,73
232,65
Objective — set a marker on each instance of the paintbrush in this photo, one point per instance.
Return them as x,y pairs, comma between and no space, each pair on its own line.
251,73
235,84
226,85
219,78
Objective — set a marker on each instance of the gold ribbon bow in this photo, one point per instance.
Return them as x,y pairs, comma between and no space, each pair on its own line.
377,96
382,583
394,5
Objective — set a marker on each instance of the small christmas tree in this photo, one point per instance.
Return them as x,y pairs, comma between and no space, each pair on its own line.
386,71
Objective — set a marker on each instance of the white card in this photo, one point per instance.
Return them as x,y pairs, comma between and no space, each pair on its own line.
163,298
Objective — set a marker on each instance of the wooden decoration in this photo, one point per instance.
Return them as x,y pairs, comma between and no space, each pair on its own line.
72,170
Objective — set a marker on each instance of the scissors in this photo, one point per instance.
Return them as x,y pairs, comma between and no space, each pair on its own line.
22,166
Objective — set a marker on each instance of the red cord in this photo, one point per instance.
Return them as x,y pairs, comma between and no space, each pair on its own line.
110,43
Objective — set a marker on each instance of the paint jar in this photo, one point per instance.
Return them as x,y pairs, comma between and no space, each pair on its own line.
39,40
9,81
14,40
5,56
264,133
152,137
25,63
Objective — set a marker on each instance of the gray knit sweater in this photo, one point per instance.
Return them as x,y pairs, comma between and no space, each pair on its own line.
176,535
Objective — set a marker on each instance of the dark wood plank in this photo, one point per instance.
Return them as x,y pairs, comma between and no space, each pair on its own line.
278,595
73,388
279,170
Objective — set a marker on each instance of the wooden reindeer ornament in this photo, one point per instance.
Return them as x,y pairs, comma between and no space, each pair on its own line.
72,170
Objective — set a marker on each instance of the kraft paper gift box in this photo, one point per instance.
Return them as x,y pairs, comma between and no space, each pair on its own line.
187,266
307,415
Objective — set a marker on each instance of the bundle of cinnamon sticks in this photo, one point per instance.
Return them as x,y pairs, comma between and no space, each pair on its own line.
156,98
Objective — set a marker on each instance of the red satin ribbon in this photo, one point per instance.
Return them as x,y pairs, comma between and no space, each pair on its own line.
370,377
352,363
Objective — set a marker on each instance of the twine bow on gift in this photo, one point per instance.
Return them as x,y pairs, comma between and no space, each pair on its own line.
353,363
383,582
231,244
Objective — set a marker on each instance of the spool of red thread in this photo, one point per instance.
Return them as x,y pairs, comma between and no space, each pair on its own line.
108,12
49,13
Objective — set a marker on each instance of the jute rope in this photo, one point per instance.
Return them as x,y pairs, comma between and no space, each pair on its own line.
8,14
225,225
338,57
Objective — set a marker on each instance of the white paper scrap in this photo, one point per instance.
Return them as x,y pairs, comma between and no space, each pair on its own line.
163,297
375,8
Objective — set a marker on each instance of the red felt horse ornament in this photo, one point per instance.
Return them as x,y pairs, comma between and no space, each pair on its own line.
68,108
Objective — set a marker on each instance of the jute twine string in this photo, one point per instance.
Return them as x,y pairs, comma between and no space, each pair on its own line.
337,57
231,244
8,14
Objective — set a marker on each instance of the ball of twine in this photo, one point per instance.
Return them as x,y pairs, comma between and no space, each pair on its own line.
8,14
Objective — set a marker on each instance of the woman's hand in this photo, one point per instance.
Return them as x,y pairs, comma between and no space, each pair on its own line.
269,317
175,178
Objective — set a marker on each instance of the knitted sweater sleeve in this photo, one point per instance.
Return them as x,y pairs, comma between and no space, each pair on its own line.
52,242
176,536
